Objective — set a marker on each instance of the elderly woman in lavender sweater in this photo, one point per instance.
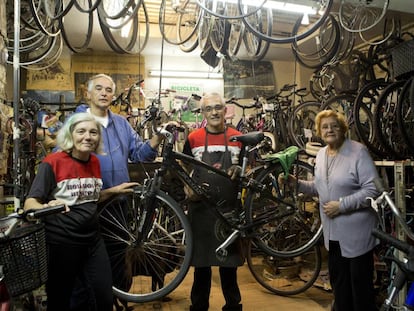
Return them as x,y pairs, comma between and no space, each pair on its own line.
344,177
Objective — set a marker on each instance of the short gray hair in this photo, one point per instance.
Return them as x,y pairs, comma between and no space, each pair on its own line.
64,137
209,96
91,80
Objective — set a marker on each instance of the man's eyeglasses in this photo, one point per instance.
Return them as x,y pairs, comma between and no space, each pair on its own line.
216,108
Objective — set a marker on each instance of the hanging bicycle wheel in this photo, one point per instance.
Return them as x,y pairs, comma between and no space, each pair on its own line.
156,265
269,209
359,16
288,275
386,124
302,123
132,40
315,12
405,114
178,20
364,109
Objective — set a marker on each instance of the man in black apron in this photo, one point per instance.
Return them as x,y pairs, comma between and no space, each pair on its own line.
211,145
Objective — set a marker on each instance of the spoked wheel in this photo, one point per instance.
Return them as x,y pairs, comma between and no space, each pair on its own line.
272,210
284,276
359,16
150,268
302,123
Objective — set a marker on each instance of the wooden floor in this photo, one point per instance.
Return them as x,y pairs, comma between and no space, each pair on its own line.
254,297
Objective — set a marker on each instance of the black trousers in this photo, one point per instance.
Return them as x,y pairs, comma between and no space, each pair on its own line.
67,265
351,280
200,291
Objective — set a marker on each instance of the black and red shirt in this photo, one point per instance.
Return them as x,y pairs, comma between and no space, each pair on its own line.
78,184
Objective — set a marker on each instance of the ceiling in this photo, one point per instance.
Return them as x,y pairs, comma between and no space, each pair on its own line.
402,8
76,24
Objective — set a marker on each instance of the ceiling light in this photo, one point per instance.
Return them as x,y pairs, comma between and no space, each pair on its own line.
281,6
185,74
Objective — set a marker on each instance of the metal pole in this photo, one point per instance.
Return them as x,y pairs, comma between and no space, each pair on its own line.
16,104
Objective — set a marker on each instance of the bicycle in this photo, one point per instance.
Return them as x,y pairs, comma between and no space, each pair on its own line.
23,254
405,271
157,235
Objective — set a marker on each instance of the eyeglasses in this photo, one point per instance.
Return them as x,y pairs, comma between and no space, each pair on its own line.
334,127
216,108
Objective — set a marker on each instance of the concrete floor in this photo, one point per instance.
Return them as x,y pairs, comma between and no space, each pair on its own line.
254,297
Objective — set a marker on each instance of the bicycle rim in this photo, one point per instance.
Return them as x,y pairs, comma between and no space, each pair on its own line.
154,267
278,21
274,205
302,123
405,114
284,276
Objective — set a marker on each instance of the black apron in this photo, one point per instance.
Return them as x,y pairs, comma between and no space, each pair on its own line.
208,230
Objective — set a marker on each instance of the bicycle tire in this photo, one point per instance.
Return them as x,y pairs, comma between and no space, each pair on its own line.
191,44
385,122
405,115
107,8
326,48
44,23
235,39
90,7
79,48
271,206
219,34
178,23
364,109
232,13
284,276
287,36
138,35
157,265
302,123
360,16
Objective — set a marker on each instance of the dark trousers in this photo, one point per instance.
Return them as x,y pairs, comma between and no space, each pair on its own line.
200,292
67,265
351,280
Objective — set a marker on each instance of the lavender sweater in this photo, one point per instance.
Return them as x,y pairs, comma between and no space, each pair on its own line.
351,175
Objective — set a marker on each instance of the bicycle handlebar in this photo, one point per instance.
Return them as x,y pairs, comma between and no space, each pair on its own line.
401,245
9,222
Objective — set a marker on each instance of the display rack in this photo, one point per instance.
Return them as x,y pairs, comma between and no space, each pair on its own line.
399,168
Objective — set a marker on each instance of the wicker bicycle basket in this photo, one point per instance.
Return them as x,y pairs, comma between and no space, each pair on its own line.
403,59
23,256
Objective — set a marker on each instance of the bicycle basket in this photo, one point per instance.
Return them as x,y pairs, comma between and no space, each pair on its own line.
24,259
403,59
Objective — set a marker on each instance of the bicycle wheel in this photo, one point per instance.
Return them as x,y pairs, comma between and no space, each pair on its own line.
302,123
279,20
343,103
386,125
364,109
359,16
284,276
178,20
156,265
268,208
405,114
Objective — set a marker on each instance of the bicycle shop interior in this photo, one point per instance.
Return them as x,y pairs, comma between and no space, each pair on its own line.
339,54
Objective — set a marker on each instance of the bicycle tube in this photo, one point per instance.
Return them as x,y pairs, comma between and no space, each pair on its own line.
164,255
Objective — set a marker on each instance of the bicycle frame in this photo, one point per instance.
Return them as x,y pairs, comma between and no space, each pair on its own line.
405,267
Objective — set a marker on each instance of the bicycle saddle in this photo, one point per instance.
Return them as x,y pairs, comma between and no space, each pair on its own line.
249,139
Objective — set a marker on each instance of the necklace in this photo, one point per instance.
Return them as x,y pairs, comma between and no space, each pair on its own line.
330,160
